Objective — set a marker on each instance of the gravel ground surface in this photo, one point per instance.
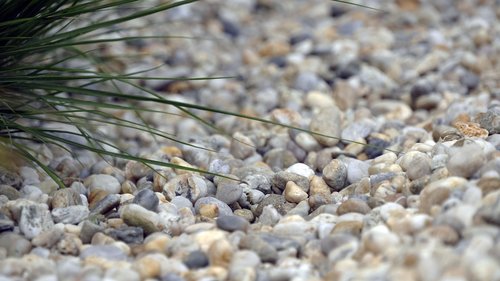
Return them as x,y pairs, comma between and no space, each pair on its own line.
419,83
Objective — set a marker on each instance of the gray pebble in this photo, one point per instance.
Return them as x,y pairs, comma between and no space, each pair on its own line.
232,223
88,230
103,182
490,120
182,202
356,170
279,158
224,209
189,186
328,122
335,174
280,179
70,215
196,259
106,204
147,199
358,130
9,191
242,146
127,234
275,200
136,215
466,160
15,244
266,252
35,218
108,252
307,81
416,164
228,191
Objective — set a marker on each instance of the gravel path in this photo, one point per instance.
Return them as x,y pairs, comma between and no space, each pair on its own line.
419,83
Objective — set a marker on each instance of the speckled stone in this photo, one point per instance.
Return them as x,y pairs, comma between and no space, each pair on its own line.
136,215
328,122
147,199
335,174
353,206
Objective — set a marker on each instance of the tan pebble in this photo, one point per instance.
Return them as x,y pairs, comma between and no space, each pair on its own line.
220,253
436,192
293,193
181,162
205,238
122,246
115,223
105,263
351,227
250,57
128,187
171,151
318,185
353,206
215,272
274,48
471,129
355,148
73,229
156,242
445,233
286,116
384,168
160,178
488,185
317,99
101,239
245,213
209,211
148,267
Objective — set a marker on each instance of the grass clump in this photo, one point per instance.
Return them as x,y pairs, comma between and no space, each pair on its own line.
48,75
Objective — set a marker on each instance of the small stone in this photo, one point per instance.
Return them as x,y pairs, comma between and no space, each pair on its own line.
275,200
222,208
69,244
488,184
307,142
358,130
127,234
103,182
70,214
293,193
464,161
228,191
136,215
48,238
437,192
88,230
242,146
232,223
356,170
149,266
353,206
471,129
65,197
301,170
107,252
280,180
196,259
490,213
335,174
328,122
378,239
14,244
147,199
264,250
279,158
35,218
10,192
307,81
490,120
220,253
348,227
416,164
318,186
269,216
189,186
106,204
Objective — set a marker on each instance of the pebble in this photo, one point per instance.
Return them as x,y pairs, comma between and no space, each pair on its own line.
34,219
353,205
65,197
242,146
15,245
232,223
147,199
104,182
222,208
196,259
335,174
465,160
293,193
416,164
328,122
228,191
136,215
280,180
70,215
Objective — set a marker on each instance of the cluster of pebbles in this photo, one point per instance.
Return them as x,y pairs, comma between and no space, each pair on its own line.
408,190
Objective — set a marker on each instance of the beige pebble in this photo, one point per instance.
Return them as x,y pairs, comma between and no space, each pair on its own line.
293,193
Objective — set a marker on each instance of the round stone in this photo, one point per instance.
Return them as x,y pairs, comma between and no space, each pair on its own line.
103,182
416,164
335,174
327,121
293,193
136,215
353,205
196,259
232,223
147,199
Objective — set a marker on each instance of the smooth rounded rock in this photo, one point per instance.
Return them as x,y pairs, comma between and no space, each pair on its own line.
232,223
293,193
328,122
147,199
416,164
103,182
136,215
335,174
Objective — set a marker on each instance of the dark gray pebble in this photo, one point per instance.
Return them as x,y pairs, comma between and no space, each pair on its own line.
232,223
